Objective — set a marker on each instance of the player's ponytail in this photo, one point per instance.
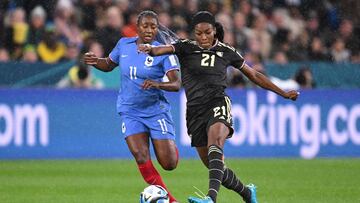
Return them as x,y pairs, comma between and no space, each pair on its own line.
165,35
219,32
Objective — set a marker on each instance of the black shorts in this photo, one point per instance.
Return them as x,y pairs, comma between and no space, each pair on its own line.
200,118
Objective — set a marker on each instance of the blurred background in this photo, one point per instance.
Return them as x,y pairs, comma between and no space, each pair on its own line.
50,101
54,107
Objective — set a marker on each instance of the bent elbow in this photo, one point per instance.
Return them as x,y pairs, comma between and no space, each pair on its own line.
176,89
177,86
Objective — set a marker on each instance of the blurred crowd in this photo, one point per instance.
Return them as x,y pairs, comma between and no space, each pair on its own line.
266,30
275,31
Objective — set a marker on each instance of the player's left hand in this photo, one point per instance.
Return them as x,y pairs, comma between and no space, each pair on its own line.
144,48
293,95
150,84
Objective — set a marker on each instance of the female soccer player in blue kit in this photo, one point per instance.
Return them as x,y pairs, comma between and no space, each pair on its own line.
141,103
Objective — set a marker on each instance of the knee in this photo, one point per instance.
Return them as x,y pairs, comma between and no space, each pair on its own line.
169,165
141,156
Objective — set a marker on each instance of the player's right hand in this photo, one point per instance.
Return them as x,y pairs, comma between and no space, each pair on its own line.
90,58
144,48
293,95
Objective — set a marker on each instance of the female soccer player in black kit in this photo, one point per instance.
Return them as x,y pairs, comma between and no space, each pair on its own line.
208,118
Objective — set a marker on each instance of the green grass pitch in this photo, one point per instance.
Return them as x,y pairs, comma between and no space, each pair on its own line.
118,181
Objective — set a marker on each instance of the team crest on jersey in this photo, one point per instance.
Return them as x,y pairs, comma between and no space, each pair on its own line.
149,61
220,53
123,128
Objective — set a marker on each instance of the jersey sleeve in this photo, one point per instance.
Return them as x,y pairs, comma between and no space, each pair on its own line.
236,60
115,53
170,62
179,46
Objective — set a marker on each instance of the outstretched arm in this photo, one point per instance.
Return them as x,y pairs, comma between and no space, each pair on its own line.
261,80
102,64
156,50
173,85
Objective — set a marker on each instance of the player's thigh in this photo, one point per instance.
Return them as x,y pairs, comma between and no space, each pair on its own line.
166,153
162,133
137,138
161,126
217,134
219,126
139,147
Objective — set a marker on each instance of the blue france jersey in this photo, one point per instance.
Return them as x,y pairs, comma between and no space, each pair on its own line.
135,69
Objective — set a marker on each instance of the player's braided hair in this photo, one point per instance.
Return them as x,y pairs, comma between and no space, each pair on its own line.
147,13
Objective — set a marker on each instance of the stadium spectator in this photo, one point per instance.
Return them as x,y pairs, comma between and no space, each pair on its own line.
88,14
208,114
346,32
30,54
50,49
111,32
16,32
282,26
129,30
178,8
280,58
339,52
4,55
66,23
96,48
312,25
278,28
79,76
165,19
317,50
72,52
298,50
304,78
37,26
355,57
241,32
260,35
142,106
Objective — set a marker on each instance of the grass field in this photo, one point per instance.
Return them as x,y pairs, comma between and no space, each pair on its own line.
80,181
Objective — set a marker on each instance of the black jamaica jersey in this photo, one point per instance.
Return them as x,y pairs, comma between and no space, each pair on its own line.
203,71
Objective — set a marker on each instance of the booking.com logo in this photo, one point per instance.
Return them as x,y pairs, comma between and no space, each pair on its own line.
18,126
307,126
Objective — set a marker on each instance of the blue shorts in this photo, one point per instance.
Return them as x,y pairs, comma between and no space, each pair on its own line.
159,127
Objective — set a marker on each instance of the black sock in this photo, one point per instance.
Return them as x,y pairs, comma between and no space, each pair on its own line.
230,181
216,170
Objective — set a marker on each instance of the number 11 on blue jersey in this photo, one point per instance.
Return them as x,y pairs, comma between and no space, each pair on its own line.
132,72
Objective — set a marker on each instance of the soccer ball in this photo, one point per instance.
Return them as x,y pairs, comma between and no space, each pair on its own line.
154,194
